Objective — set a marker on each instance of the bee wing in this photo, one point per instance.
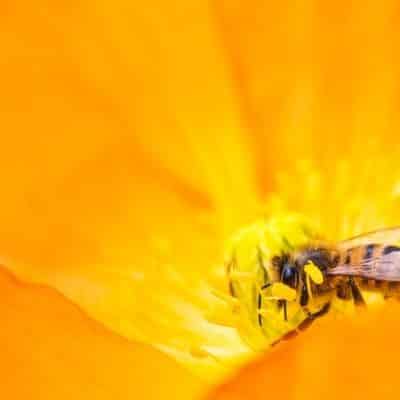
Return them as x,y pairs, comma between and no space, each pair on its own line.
381,236
385,266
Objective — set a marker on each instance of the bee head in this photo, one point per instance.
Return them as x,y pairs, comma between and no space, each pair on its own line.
288,270
290,275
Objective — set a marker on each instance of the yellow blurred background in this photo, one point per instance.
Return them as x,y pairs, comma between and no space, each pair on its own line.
136,137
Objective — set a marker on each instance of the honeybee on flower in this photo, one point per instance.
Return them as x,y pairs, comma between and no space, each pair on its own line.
288,281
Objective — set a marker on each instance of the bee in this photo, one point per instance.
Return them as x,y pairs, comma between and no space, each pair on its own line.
317,273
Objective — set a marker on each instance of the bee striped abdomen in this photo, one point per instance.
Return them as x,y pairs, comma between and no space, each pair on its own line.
359,255
369,284
378,284
378,252
372,285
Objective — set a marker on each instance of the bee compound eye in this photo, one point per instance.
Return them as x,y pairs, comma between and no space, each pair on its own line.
289,276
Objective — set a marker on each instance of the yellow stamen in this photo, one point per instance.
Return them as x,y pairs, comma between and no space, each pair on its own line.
232,301
243,275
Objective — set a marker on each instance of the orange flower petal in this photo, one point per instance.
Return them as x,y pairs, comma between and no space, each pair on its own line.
51,350
346,359
103,103
125,161
319,81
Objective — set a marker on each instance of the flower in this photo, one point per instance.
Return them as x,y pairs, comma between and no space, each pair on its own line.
52,350
345,359
139,137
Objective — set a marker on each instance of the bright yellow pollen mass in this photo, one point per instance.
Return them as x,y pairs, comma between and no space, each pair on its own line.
283,292
314,273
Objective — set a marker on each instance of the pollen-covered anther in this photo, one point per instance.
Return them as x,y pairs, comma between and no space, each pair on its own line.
279,291
314,273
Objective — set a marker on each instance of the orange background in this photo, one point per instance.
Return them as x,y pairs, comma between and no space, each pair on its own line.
124,123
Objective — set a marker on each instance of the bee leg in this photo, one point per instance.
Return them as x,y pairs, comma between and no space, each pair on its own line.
343,291
259,303
287,336
357,296
285,309
311,317
324,310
